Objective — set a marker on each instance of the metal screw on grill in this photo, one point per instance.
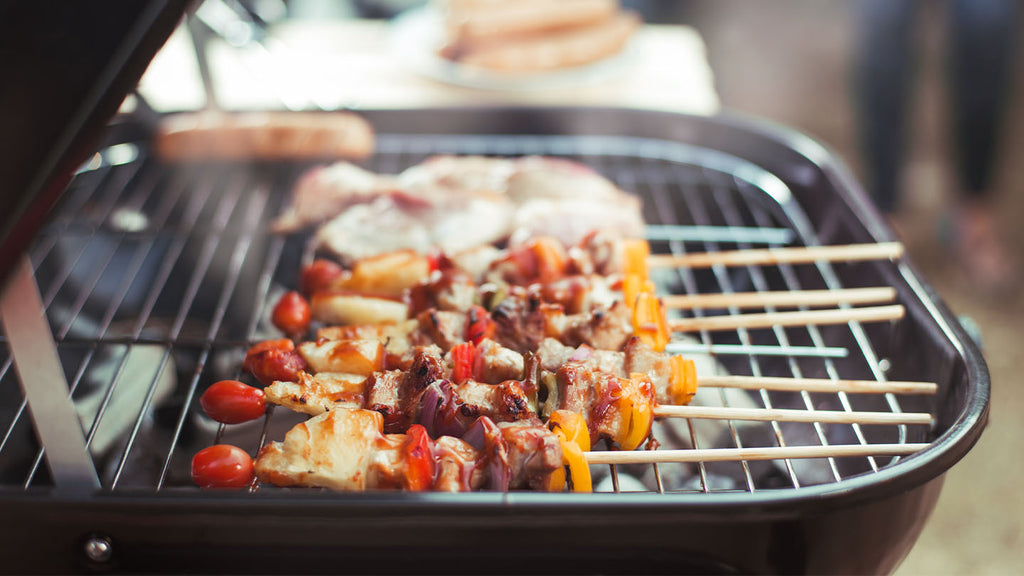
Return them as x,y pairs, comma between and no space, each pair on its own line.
99,549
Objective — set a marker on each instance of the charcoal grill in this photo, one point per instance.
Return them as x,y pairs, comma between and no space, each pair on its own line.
154,278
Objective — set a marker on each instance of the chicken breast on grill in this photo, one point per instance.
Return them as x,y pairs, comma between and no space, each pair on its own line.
336,449
455,203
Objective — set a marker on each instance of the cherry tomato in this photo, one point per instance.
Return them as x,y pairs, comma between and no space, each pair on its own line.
274,360
222,466
291,315
419,459
319,276
231,402
479,325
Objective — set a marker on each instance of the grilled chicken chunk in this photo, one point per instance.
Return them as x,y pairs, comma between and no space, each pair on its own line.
316,394
340,449
326,191
456,204
389,223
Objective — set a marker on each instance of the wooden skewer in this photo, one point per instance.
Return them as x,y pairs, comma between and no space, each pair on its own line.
780,415
798,318
771,256
817,385
738,454
781,298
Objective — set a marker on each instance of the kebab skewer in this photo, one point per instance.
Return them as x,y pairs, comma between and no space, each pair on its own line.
640,432
616,414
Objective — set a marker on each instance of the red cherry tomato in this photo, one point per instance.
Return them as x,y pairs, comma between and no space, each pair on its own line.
231,402
222,466
291,315
419,459
274,360
319,276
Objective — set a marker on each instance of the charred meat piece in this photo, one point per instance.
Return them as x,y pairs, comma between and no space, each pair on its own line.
384,395
534,453
599,252
450,290
448,409
458,468
641,358
635,357
579,294
606,329
519,322
446,329
554,354
575,383
496,363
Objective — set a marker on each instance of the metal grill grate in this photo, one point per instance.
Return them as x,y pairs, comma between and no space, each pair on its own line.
155,281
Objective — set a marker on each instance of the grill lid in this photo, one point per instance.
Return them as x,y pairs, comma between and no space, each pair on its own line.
67,68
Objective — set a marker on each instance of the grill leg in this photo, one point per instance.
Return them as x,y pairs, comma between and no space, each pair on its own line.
44,385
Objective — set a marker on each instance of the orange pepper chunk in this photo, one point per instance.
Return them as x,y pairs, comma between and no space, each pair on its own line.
682,380
637,404
634,257
649,322
574,438
633,286
572,425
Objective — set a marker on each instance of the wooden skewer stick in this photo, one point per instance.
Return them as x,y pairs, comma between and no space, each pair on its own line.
817,385
798,318
780,415
782,298
738,454
772,256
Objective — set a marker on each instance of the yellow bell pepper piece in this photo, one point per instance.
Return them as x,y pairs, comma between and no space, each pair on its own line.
633,286
634,257
556,482
574,437
682,380
579,471
572,426
649,321
640,416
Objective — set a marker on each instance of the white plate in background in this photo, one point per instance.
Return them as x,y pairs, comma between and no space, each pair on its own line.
418,35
